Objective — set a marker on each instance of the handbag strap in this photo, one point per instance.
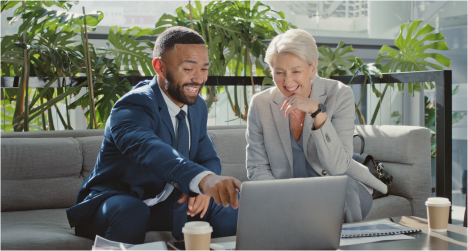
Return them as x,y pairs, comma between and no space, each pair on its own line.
362,142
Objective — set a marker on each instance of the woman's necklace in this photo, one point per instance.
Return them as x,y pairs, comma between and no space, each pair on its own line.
300,119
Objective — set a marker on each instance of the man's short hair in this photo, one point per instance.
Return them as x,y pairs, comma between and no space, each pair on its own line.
175,35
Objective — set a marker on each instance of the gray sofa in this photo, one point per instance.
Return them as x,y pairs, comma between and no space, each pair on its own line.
42,172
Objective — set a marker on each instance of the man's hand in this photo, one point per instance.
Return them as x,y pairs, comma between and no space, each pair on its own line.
183,198
196,204
222,189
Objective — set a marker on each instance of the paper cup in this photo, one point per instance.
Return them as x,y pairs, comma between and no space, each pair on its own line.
197,235
438,211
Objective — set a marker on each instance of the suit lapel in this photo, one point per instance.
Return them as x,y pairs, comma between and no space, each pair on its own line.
193,121
318,94
165,117
282,124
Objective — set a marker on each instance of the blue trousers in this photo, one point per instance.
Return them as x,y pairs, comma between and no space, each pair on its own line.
126,219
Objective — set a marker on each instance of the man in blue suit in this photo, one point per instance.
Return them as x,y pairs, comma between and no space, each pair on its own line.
156,154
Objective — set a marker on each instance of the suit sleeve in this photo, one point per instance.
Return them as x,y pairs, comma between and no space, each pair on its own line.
132,124
258,164
334,140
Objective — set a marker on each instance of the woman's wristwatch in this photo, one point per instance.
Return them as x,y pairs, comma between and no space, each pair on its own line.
322,108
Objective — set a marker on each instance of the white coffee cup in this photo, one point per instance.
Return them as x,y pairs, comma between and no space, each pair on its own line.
438,211
197,235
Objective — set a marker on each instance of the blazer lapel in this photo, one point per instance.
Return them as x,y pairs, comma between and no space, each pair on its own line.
282,124
193,121
163,111
318,94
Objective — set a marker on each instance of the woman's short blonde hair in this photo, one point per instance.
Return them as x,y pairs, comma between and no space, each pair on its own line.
295,41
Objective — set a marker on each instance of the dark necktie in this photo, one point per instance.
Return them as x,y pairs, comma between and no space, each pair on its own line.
182,135
179,215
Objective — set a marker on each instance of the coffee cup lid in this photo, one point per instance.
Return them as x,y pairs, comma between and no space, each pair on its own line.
438,202
197,227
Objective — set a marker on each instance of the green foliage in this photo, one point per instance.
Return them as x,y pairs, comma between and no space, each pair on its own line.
107,87
50,53
234,36
61,4
7,111
130,52
412,54
398,116
368,70
333,62
12,58
36,19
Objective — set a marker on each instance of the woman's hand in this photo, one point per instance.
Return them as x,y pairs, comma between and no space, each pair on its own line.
297,103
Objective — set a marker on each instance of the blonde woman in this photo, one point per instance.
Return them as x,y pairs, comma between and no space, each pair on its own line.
304,126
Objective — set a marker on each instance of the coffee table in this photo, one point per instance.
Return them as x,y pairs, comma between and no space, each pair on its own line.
454,239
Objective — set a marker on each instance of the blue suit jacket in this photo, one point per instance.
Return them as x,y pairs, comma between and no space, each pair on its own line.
137,157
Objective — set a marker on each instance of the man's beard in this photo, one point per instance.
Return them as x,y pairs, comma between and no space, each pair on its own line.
177,91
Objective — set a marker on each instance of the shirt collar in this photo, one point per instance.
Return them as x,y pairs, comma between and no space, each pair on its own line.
173,108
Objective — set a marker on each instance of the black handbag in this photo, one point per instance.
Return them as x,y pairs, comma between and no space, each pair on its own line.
375,168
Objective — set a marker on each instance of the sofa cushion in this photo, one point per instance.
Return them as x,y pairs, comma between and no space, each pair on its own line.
90,147
400,144
40,172
406,154
401,185
389,206
230,145
39,193
55,134
49,229
237,171
40,229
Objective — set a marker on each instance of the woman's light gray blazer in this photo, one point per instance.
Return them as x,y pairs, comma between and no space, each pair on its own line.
328,150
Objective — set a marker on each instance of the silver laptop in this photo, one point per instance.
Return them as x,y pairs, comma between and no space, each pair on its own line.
302,213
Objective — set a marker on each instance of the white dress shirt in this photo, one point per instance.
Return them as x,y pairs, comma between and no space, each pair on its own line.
173,111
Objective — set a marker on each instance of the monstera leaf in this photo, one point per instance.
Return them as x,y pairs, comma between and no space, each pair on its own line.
111,91
107,89
12,3
412,53
367,70
12,56
130,52
333,62
37,19
235,38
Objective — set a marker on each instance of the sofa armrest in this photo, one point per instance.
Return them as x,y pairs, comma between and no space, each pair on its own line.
405,152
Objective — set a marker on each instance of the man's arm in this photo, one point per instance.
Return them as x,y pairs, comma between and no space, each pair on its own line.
223,189
133,122
132,129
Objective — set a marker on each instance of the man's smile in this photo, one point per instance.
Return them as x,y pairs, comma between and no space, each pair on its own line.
192,89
